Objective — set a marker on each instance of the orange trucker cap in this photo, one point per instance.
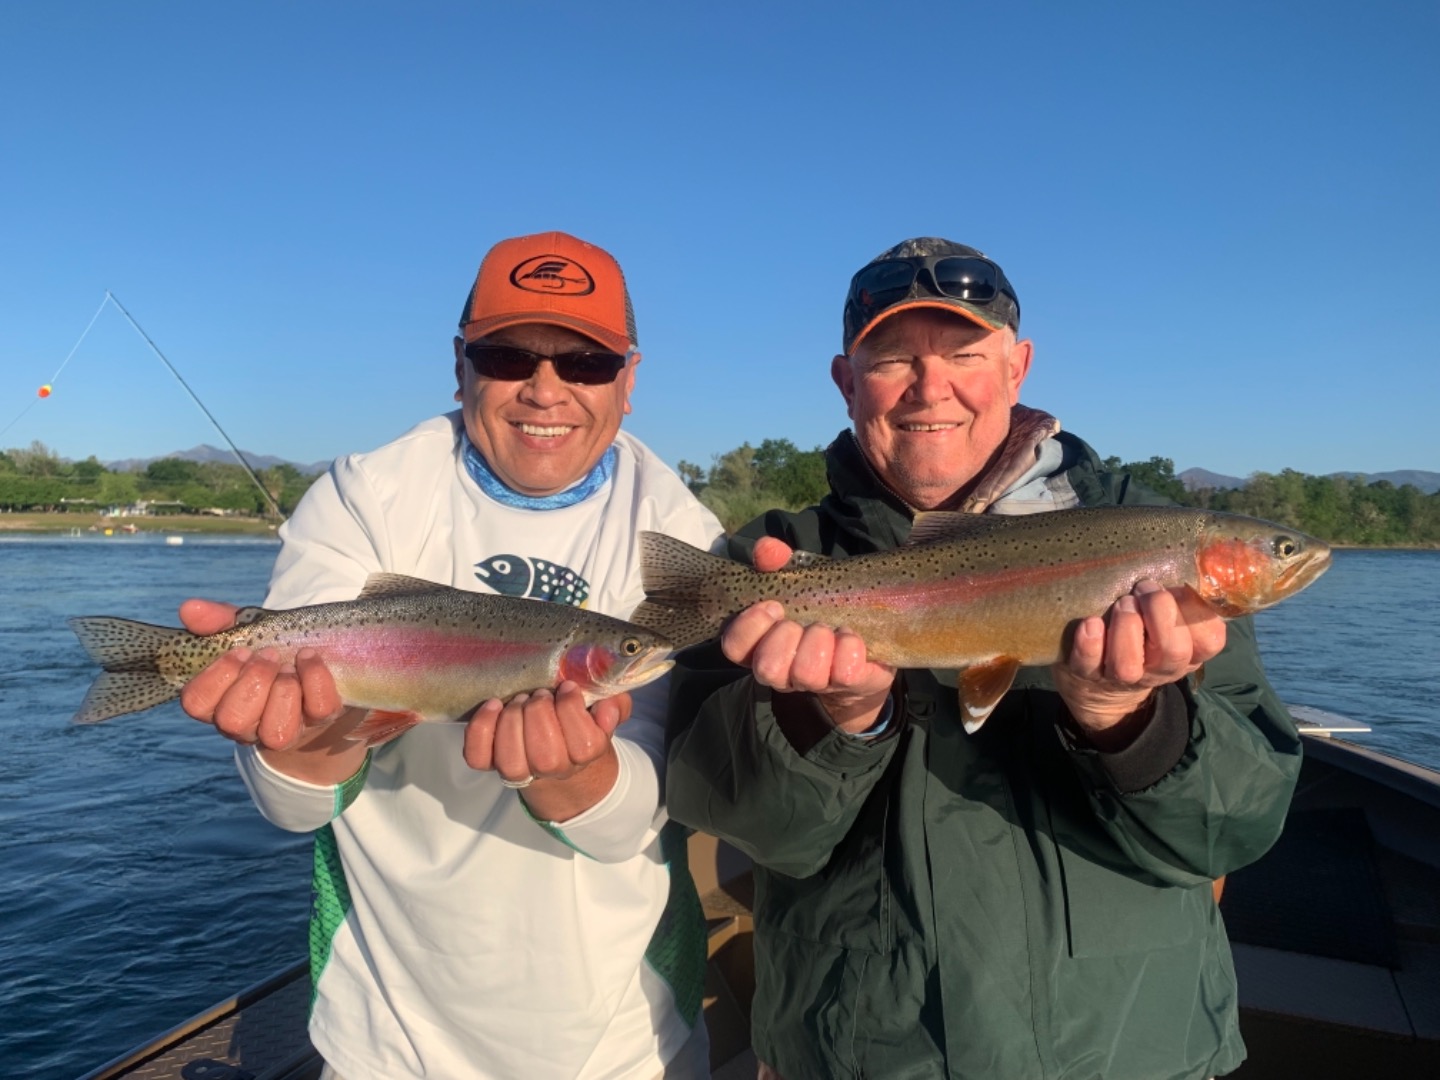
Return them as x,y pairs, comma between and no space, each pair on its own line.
551,278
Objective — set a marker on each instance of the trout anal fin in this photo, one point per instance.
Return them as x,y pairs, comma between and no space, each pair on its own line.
981,688
382,725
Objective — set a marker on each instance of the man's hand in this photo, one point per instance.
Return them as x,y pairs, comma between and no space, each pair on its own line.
249,697
554,740
1149,639
790,658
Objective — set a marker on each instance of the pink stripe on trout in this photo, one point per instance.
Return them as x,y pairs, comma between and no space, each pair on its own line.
985,594
410,651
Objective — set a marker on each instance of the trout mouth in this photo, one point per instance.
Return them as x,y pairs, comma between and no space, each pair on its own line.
646,668
1302,572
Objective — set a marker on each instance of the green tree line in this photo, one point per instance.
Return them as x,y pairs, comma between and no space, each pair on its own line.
743,483
738,486
37,479
1337,509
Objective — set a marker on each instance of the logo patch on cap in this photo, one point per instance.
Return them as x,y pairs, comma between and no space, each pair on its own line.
552,274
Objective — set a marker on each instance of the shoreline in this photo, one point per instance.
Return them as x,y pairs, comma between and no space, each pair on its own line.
61,524
44,523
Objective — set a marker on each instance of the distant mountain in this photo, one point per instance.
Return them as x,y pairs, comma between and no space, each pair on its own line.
1426,482
205,452
1195,479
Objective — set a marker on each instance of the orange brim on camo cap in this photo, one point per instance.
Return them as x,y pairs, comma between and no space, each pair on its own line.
552,278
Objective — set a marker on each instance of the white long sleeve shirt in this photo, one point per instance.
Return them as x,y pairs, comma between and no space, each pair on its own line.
453,935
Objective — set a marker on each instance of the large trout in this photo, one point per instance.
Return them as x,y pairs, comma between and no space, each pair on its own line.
986,594
407,650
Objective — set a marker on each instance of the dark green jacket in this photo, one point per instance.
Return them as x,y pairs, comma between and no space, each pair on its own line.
1002,906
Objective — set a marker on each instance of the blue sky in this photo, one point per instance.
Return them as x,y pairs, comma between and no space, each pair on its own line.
1222,219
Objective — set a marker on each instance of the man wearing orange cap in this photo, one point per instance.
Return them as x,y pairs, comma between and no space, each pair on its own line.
1033,900
502,898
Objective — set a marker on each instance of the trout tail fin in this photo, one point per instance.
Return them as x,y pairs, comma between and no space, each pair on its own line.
681,600
127,651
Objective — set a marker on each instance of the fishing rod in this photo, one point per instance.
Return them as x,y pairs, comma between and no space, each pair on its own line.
195,398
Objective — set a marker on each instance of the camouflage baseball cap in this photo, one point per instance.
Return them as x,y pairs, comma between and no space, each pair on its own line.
929,272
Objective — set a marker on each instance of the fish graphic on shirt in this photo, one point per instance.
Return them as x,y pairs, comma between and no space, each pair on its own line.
537,579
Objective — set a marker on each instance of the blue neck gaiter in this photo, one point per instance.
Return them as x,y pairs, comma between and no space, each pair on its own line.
480,471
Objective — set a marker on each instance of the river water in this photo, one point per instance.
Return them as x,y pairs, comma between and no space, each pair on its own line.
138,886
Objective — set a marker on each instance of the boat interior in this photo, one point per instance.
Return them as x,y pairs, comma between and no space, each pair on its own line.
1335,935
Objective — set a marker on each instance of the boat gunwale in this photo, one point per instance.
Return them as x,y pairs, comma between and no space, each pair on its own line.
124,1063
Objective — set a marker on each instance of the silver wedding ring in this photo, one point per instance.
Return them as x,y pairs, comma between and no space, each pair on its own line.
524,781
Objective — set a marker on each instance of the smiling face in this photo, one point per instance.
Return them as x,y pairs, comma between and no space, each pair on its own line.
929,395
541,435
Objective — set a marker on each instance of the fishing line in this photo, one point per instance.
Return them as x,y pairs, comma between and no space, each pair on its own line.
110,298
54,378
233,448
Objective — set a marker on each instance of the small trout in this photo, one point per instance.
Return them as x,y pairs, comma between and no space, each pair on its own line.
406,650
985,594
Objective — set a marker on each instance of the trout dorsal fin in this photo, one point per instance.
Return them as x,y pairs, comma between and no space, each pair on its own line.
933,526
397,585
247,615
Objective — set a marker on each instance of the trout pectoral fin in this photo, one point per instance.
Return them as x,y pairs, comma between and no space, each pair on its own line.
381,725
981,688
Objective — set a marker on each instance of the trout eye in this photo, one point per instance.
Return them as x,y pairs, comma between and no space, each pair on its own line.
1285,547
630,647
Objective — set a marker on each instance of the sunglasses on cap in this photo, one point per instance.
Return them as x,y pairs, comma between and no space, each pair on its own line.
975,280
588,367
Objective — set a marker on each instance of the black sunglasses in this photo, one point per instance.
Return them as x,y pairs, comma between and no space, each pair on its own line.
588,367
970,278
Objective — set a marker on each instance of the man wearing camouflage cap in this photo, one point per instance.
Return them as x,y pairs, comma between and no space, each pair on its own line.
1034,900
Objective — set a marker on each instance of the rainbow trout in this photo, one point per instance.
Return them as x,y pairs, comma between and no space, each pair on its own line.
407,650
986,594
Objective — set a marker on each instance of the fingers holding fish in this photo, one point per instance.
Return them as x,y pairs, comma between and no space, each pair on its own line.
1207,626
543,735
770,554
250,697
817,659
1149,638
792,658
1153,636
479,746
320,700
207,616
587,729
281,719
609,713
510,756
833,662
1180,631
745,631
202,695
552,747
238,713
